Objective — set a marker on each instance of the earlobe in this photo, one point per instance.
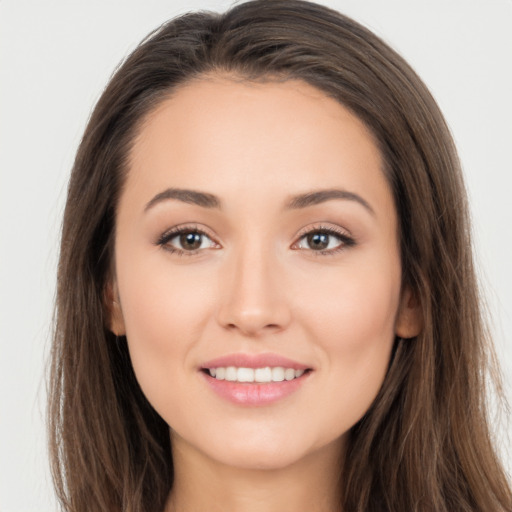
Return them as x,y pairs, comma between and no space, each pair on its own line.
114,314
409,320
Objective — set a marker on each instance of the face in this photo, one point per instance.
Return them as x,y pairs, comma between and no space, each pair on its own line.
258,276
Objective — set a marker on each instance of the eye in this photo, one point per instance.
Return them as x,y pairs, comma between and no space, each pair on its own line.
325,241
186,240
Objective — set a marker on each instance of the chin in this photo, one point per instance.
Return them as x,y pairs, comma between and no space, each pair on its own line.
260,459
265,451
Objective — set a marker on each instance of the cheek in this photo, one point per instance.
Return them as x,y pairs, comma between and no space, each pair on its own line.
352,321
164,314
354,309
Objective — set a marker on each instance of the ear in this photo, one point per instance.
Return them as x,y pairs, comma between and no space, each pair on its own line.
114,314
409,319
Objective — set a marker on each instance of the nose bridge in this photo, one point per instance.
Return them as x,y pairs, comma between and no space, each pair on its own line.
253,298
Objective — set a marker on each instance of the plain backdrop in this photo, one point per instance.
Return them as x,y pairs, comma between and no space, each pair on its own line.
55,58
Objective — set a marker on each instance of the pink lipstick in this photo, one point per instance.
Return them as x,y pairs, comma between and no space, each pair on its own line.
254,379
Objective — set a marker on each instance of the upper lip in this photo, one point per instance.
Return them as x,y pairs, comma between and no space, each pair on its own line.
254,361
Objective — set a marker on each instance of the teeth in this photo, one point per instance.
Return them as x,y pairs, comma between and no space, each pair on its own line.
267,374
263,374
278,374
245,375
231,373
289,374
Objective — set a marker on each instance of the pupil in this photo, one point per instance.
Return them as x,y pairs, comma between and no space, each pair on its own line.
190,240
318,240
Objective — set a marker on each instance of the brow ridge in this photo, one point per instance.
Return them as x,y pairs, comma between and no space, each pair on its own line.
321,196
203,199
207,200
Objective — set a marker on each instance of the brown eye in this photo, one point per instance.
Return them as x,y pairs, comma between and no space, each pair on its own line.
186,241
325,241
318,241
191,241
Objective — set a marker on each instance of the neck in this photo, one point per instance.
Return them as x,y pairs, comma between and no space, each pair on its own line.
200,483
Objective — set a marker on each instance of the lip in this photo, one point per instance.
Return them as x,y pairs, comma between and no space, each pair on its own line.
254,361
254,394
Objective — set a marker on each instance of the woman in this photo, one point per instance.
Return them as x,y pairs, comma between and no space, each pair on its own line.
266,294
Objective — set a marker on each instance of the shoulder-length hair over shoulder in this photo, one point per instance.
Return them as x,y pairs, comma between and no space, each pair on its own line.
425,443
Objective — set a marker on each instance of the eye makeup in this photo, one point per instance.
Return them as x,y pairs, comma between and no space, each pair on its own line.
185,234
318,235
193,239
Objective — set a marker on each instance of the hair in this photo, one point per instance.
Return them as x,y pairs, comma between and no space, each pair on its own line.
425,444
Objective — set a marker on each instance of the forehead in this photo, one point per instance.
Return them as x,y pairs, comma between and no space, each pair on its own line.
235,138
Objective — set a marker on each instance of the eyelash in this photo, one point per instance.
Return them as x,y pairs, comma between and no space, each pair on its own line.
346,240
166,237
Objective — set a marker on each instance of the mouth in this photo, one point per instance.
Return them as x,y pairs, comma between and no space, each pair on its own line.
255,375
255,380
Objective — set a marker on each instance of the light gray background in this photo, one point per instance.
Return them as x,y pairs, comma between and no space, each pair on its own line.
55,58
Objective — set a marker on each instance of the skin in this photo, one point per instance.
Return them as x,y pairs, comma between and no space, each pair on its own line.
257,286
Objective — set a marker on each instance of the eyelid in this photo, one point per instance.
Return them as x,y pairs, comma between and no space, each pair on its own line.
346,239
164,239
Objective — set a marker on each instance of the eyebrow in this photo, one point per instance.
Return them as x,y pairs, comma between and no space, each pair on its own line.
187,196
300,201
321,196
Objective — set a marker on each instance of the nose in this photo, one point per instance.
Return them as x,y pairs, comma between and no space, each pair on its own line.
253,294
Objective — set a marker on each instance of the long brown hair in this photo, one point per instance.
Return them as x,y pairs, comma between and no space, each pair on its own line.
425,444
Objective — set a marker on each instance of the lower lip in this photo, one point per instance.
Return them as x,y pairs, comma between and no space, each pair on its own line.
254,394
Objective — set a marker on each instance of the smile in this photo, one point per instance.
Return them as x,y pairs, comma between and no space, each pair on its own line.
255,380
258,375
